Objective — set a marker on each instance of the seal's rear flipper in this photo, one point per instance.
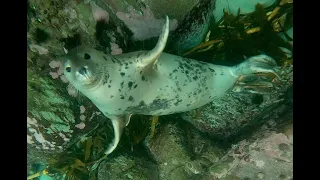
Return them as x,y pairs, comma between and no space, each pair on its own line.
118,124
256,64
151,57
251,67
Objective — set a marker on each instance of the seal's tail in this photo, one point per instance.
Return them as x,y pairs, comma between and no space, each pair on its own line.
248,71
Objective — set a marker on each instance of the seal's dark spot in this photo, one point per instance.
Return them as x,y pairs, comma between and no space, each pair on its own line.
135,86
143,78
142,103
140,72
131,98
121,97
155,105
111,96
106,77
105,58
122,74
195,78
68,69
109,86
121,84
130,84
212,70
178,101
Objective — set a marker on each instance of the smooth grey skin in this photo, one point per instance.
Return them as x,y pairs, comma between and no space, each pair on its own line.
152,82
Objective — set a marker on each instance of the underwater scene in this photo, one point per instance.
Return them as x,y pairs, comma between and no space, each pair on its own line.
159,89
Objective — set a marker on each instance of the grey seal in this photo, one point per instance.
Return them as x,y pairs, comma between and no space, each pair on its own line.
152,82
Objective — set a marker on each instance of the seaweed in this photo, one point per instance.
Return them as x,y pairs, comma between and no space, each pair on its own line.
236,37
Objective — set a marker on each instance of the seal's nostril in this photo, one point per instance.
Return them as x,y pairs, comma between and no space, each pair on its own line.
83,71
68,69
87,56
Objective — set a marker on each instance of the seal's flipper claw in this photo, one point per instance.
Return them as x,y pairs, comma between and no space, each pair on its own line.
118,124
262,87
127,119
256,64
151,57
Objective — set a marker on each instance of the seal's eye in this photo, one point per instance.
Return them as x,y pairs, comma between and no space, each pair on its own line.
68,69
87,56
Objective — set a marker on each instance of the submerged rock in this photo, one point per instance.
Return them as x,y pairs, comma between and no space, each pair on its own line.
56,25
168,149
181,153
53,118
265,155
193,28
128,167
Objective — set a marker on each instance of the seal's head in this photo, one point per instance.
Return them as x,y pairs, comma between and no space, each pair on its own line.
83,68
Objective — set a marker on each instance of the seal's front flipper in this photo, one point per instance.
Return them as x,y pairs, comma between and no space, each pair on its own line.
150,58
118,124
